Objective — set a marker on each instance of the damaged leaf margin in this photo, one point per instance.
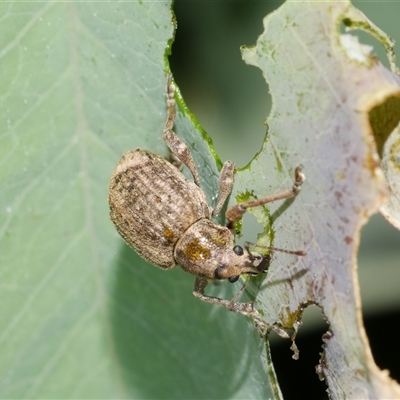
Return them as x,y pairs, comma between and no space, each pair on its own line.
383,111
329,108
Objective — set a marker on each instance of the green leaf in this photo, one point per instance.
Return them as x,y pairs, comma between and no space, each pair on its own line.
324,86
82,316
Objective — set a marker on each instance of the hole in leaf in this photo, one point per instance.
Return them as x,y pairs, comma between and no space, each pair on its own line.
379,274
297,378
385,352
383,119
229,98
366,40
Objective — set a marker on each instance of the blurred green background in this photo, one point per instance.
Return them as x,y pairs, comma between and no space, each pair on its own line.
231,101
81,321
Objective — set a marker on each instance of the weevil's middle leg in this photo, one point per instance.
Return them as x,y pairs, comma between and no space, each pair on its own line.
246,309
177,147
236,212
225,185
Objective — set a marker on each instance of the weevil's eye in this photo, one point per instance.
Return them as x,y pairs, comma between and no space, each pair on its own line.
238,251
233,279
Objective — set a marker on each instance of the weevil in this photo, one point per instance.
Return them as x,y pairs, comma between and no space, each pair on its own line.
166,219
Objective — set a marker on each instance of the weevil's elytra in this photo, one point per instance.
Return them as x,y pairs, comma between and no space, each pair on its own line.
152,203
167,220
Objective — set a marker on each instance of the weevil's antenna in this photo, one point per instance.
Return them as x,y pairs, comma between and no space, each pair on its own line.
247,246
242,289
264,260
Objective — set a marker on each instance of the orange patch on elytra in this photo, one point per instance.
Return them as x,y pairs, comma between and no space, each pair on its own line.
195,250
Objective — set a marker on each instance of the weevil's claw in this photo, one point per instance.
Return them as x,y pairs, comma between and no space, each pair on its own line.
299,178
264,328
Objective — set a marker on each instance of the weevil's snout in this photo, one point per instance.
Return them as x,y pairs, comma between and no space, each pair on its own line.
261,262
238,262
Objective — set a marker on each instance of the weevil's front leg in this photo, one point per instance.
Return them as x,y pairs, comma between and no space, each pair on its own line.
198,291
246,309
236,212
177,147
225,185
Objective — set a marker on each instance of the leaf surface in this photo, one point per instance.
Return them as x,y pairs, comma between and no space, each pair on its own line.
82,316
324,85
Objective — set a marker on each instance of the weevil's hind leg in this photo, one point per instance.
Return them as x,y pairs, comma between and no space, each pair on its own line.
246,309
177,147
236,212
225,185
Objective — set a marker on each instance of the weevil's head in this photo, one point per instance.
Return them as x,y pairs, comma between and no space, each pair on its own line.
207,250
238,262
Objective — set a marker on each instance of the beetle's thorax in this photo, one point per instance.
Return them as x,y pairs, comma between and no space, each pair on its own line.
206,250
